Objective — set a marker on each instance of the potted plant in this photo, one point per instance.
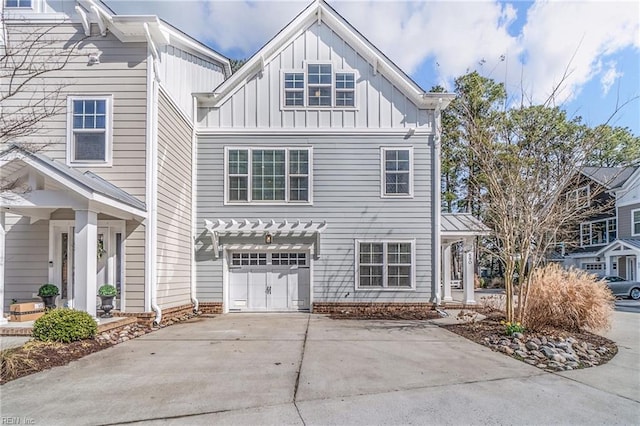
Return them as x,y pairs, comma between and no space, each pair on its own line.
48,293
107,292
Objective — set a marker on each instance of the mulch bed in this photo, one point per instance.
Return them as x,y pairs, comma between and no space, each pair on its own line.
33,357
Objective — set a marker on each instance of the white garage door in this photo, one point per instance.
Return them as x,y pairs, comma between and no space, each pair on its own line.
260,282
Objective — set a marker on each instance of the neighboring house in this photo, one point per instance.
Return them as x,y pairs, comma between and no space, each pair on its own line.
307,180
609,242
109,199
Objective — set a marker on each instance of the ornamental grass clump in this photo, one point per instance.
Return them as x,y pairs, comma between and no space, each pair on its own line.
64,325
572,300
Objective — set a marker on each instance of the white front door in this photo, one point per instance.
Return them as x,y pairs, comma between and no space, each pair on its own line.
261,281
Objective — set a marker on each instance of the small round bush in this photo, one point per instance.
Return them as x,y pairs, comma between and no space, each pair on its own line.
64,325
107,290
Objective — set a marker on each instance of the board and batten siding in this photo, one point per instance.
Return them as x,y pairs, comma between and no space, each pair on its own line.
346,194
624,220
257,103
183,73
121,73
174,206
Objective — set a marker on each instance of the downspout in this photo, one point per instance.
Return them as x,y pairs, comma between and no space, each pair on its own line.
194,197
437,258
152,174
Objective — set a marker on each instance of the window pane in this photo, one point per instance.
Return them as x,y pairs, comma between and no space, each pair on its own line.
399,253
90,147
237,188
238,162
299,162
89,107
78,107
397,183
397,160
294,81
319,96
269,176
345,81
294,99
345,99
371,253
298,190
370,276
399,276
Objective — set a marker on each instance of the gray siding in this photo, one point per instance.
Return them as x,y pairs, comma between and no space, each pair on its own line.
174,206
257,104
26,258
346,193
122,73
624,220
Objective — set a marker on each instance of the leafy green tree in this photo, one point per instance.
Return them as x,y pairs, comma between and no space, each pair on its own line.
616,146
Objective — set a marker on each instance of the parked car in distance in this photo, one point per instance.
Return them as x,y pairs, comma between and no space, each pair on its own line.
623,288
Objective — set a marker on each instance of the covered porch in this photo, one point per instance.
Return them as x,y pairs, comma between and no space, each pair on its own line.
622,258
459,228
60,226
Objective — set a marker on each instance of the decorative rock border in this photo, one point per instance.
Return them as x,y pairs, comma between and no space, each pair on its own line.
551,354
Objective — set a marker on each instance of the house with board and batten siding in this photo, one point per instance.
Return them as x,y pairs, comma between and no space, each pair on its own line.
309,180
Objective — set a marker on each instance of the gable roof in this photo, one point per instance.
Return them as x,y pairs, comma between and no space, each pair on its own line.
320,12
88,181
132,28
610,177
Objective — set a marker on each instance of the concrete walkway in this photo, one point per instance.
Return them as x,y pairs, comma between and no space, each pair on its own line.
308,369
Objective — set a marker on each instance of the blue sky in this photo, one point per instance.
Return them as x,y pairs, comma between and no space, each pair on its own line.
590,50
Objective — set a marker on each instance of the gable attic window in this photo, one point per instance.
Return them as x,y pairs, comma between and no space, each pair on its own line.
318,87
89,130
19,4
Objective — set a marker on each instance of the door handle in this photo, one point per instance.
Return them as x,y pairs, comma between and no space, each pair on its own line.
268,291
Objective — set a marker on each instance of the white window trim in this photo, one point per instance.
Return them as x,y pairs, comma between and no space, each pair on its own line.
590,224
108,132
283,91
633,222
383,150
286,201
384,287
334,70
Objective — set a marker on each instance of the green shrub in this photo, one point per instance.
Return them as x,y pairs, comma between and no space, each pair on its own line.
571,300
64,325
107,290
47,290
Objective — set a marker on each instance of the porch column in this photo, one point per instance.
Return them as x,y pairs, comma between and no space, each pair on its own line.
467,272
446,274
2,254
607,264
85,261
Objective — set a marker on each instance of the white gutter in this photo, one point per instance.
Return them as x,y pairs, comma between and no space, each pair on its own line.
151,275
436,231
194,182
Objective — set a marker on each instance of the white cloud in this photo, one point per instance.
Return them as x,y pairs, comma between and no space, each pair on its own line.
609,77
560,42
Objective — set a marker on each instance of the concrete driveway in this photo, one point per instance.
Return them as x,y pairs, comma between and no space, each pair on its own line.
308,369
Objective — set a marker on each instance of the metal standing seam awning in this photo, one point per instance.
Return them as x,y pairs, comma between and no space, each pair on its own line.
247,228
458,226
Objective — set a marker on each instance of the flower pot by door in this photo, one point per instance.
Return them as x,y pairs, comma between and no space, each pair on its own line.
106,303
49,301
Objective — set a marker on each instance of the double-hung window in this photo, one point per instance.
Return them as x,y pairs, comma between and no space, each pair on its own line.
280,175
397,172
293,89
635,222
319,84
385,265
598,232
345,89
89,130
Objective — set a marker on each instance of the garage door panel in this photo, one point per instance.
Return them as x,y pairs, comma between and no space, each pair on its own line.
301,290
257,283
279,290
238,288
